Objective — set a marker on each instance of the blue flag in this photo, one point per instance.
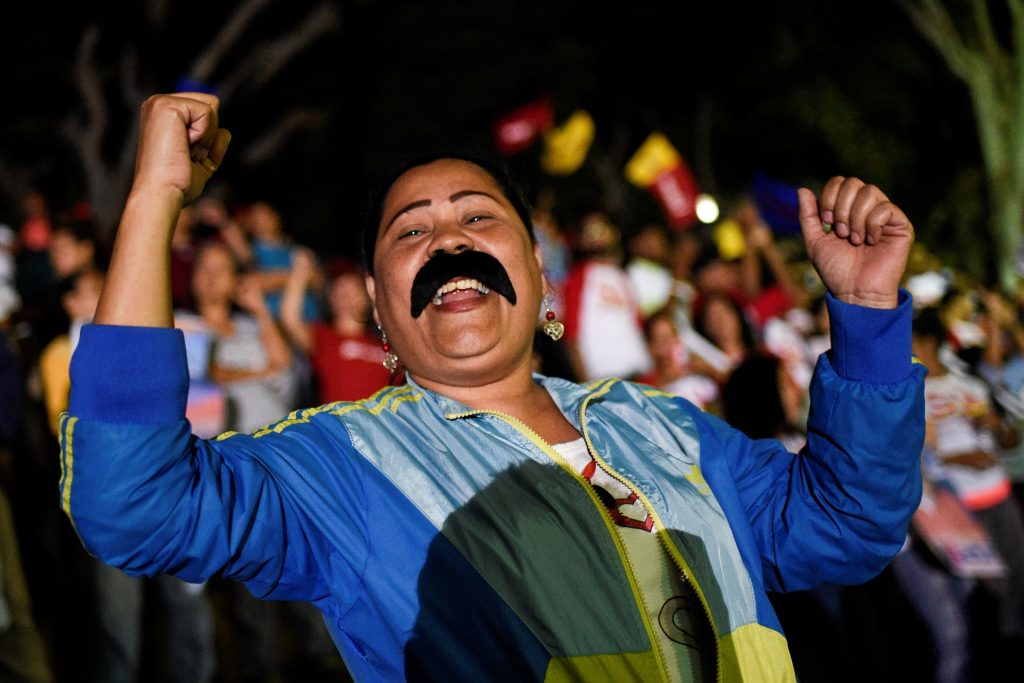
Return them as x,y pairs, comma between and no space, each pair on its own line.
777,202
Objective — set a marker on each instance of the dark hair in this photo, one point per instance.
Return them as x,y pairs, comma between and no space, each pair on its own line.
498,172
700,318
751,400
340,266
80,229
707,251
70,282
928,324
666,313
237,267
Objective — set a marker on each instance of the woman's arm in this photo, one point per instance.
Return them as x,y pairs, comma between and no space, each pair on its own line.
250,297
291,301
147,496
839,510
180,147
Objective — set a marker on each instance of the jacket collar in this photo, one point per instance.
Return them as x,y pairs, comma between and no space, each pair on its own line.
568,396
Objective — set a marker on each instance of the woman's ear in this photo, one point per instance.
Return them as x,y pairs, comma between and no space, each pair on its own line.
371,290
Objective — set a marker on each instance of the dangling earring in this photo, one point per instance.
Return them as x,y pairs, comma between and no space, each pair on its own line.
552,327
390,358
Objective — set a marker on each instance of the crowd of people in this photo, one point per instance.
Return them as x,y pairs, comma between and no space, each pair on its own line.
271,327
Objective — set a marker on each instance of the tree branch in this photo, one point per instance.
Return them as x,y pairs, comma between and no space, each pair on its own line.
208,61
132,92
270,142
1015,81
89,133
266,61
156,11
935,24
989,44
1017,33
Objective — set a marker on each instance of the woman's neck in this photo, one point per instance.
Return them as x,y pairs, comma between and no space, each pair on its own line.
348,327
215,314
668,371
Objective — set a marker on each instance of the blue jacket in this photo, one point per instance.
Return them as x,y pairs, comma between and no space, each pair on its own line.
443,543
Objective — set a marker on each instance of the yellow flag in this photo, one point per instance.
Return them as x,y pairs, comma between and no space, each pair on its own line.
566,146
655,156
728,237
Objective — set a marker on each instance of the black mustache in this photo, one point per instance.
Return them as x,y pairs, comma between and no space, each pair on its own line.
468,264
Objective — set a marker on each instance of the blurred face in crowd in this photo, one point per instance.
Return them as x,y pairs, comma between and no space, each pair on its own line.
651,244
664,344
212,211
722,321
347,298
80,303
718,276
464,337
263,221
214,276
68,254
598,237
683,254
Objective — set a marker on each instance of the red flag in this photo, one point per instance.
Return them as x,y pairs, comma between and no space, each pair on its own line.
520,128
676,192
657,166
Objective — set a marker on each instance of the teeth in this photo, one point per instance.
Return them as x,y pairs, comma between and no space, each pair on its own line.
465,283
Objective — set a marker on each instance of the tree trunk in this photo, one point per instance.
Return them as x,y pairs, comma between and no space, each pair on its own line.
1007,226
994,77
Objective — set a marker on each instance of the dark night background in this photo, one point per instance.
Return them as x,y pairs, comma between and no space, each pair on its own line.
799,90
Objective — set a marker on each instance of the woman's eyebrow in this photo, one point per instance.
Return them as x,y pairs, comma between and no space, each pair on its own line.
420,203
467,193
408,207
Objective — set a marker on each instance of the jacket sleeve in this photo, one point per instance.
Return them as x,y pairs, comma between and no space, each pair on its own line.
147,496
838,511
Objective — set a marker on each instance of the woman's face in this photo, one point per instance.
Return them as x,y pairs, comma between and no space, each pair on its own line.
466,337
68,254
664,344
263,221
80,303
347,297
214,277
722,322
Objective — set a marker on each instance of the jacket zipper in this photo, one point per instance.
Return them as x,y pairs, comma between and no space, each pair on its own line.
539,441
662,534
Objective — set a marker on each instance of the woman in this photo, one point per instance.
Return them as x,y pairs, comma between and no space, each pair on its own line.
721,320
676,370
347,359
481,523
248,357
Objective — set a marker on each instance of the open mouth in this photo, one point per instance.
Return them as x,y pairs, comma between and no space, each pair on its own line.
448,278
460,290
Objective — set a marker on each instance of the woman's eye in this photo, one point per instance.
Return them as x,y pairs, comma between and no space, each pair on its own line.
476,218
410,233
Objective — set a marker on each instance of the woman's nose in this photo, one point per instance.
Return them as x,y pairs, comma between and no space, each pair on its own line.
451,239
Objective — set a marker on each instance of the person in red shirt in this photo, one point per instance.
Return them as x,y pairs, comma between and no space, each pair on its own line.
347,359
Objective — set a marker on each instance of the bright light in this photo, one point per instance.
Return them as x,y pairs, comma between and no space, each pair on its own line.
707,208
